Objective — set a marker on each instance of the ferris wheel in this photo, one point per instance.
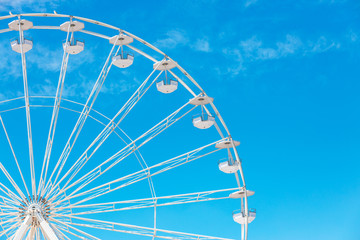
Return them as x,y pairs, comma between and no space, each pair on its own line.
67,166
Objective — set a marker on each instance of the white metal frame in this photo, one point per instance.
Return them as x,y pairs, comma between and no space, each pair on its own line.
67,196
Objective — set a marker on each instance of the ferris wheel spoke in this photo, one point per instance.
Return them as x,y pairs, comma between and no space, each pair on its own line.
136,230
7,221
7,206
84,114
15,158
13,197
143,174
56,108
5,214
109,128
150,202
27,104
11,180
11,220
67,228
11,228
127,150
61,229
62,234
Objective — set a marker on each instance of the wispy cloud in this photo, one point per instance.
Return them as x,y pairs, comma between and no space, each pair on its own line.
81,88
178,38
321,45
352,36
202,45
253,49
49,60
173,39
35,5
332,1
10,65
237,57
249,2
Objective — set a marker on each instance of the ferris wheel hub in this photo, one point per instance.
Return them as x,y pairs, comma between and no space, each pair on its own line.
34,208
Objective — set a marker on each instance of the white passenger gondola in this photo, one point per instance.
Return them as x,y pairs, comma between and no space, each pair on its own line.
123,60
228,165
240,218
27,45
74,47
167,85
203,121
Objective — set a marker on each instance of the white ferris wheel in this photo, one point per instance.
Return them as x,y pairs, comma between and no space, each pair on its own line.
73,189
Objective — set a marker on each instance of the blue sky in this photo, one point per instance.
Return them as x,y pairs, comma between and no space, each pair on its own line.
285,77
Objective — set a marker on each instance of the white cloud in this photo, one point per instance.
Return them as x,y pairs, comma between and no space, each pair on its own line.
233,69
322,45
289,46
81,88
253,49
249,2
332,1
174,38
49,60
10,64
202,45
119,87
353,36
178,38
34,5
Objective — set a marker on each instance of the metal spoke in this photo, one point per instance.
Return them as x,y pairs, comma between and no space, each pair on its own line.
11,180
5,232
27,104
13,197
84,114
12,150
56,109
63,235
76,229
141,175
110,127
150,202
127,150
137,230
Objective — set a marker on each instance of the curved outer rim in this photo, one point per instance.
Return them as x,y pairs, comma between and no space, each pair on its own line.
245,233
